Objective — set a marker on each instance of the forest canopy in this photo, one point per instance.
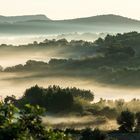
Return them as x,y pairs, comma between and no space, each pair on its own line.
54,98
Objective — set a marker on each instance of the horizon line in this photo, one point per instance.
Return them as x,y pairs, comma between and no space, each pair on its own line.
70,18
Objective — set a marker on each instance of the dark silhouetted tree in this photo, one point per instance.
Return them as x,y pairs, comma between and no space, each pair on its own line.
126,120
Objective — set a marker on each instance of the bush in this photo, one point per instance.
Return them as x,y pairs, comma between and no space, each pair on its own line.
126,121
25,124
54,98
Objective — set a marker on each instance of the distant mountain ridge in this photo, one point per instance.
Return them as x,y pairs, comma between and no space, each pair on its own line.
23,18
106,18
40,24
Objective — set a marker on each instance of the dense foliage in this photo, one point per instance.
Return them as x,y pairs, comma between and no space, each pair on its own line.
25,124
12,118
54,98
126,120
93,60
129,122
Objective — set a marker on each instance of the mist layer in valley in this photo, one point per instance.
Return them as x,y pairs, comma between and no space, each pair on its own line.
26,39
44,51
108,66
18,82
90,65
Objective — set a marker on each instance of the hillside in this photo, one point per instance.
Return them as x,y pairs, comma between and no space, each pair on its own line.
91,60
41,25
12,19
105,19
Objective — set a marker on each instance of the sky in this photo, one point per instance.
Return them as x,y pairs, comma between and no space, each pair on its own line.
68,9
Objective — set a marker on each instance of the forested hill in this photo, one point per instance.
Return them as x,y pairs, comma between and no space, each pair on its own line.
114,60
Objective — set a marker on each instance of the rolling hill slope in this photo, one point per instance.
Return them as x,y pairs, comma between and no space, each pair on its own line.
42,25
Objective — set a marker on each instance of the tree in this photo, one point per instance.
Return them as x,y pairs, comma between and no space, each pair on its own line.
126,120
54,98
137,129
10,99
34,96
99,41
58,99
8,129
31,121
25,124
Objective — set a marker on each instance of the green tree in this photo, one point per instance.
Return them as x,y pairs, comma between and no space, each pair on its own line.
54,98
25,124
31,122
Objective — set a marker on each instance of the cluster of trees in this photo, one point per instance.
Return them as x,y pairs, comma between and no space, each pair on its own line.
80,36
112,108
130,39
120,104
129,121
119,46
31,65
54,98
64,42
60,43
25,124
101,66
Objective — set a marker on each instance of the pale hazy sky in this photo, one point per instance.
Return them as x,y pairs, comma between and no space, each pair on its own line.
64,9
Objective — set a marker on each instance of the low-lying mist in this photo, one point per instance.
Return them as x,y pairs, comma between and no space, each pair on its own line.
79,122
16,83
10,56
76,72
26,39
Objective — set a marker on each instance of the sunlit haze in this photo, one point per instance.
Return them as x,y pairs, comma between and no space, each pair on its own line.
65,9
